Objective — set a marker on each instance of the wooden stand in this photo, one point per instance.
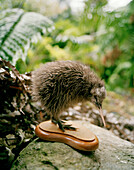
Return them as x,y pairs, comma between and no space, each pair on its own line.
81,139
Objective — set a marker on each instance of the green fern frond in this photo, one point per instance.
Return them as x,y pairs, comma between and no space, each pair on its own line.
18,29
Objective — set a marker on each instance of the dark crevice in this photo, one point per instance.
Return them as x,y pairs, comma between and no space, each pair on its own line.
49,163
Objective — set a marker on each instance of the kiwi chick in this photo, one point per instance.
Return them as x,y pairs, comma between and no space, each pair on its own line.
61,84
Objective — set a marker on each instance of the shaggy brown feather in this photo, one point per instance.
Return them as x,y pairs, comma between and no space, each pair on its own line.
61,84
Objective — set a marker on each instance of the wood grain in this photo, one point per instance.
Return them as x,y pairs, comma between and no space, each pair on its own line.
81,139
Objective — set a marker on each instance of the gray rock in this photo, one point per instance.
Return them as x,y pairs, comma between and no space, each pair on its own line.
113,154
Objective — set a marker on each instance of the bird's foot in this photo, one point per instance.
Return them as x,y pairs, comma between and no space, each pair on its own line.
62,126
69,127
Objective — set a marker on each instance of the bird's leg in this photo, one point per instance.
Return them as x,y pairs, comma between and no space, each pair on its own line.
62,126
54,121
65,127
59,122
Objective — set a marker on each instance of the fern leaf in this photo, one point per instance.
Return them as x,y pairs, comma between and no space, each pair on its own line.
18,29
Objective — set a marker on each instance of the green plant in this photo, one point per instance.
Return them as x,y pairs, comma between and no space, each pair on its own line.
18,29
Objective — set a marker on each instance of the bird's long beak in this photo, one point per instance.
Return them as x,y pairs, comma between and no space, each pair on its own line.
101,114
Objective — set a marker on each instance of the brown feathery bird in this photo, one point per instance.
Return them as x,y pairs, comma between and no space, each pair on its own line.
61,84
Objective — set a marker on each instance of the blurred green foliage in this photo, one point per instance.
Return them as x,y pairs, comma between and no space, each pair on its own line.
97,37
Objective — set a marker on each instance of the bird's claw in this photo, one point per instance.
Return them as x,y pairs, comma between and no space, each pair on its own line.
69,127
62,126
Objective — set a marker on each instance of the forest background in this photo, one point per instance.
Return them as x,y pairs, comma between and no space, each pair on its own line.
97,33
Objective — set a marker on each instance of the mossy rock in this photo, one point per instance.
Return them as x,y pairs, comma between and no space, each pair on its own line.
113,153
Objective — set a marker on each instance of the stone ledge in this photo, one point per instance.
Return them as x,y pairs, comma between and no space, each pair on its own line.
113,153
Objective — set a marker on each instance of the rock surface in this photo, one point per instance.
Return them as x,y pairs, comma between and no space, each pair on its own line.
113,153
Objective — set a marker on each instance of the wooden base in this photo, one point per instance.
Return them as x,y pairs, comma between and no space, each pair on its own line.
81,139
